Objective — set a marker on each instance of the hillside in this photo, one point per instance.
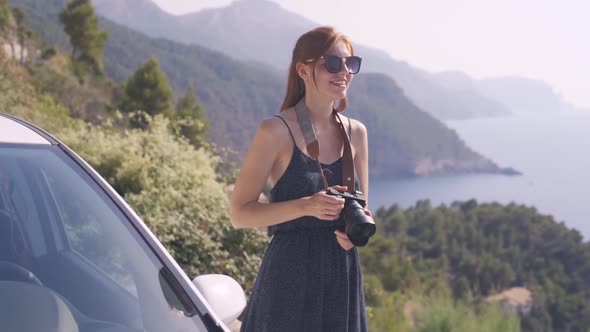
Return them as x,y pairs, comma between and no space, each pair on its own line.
229,90
235,29
475,252
520,95
441,151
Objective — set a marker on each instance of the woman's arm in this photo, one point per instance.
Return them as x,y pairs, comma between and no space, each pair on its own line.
271,138
361,157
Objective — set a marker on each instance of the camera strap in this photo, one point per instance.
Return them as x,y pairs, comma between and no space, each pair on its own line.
313,145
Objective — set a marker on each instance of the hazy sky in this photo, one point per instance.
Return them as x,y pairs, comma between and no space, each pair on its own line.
540,39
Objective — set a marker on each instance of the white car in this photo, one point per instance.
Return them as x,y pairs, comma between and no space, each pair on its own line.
75,257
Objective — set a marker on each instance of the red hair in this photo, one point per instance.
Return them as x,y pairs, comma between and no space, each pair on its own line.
310,46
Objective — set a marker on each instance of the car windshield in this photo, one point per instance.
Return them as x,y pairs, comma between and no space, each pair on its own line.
70,258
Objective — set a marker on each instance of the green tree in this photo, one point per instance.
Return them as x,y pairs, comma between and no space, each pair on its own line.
149,92
81,25
23,34
3,14
191,120
19,16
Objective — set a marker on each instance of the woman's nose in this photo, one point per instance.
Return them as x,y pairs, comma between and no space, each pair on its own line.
344,67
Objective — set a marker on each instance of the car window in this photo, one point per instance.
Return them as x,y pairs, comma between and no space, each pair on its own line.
20,202
85,230
74,243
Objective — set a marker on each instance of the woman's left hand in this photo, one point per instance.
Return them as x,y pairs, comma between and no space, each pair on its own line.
342,238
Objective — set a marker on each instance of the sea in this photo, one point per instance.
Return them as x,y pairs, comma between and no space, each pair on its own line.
551,150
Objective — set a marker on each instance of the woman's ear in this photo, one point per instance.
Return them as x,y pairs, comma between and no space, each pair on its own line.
302,70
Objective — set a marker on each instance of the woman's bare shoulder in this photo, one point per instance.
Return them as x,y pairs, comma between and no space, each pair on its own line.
274,128
356,125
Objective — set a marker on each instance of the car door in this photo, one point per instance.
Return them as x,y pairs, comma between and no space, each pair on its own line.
72,236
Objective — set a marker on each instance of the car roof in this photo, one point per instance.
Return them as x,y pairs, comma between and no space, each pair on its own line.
13,130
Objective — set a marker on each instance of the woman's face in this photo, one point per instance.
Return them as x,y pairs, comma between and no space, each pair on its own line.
332,86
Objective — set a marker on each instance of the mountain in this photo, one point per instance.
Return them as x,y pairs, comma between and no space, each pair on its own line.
524,95
236,30
404,139
227,88
155,22
381,104
521,95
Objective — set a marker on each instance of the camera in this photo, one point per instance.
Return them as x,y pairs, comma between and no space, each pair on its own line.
357,225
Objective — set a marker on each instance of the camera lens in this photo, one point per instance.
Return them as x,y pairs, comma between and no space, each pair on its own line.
360,230
359,226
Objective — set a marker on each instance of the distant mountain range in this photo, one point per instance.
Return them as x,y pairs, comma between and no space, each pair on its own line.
521,95
236,29
404,140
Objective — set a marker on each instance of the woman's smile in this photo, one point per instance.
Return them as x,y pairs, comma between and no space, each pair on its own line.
340,83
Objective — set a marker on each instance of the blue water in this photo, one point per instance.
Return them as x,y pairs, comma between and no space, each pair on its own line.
551,150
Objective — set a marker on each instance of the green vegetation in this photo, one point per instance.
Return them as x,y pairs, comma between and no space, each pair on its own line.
4,14
147,92
16,35
81,25
20,98
174,188
470,251
427,269
438,313
190,119
444,314
85,95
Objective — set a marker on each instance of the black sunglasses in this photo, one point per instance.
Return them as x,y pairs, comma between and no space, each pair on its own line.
333,63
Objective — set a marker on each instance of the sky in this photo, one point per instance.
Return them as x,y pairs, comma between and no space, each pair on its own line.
547,40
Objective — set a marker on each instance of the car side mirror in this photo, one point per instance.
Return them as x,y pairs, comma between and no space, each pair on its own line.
223,293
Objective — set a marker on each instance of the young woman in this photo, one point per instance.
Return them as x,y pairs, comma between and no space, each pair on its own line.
310,278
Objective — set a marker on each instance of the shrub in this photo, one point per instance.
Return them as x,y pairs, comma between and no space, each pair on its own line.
174,188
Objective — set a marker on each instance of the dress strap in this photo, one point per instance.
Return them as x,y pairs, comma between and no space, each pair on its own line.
289,128
349,130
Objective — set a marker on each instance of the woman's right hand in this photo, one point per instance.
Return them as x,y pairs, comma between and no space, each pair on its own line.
324,206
